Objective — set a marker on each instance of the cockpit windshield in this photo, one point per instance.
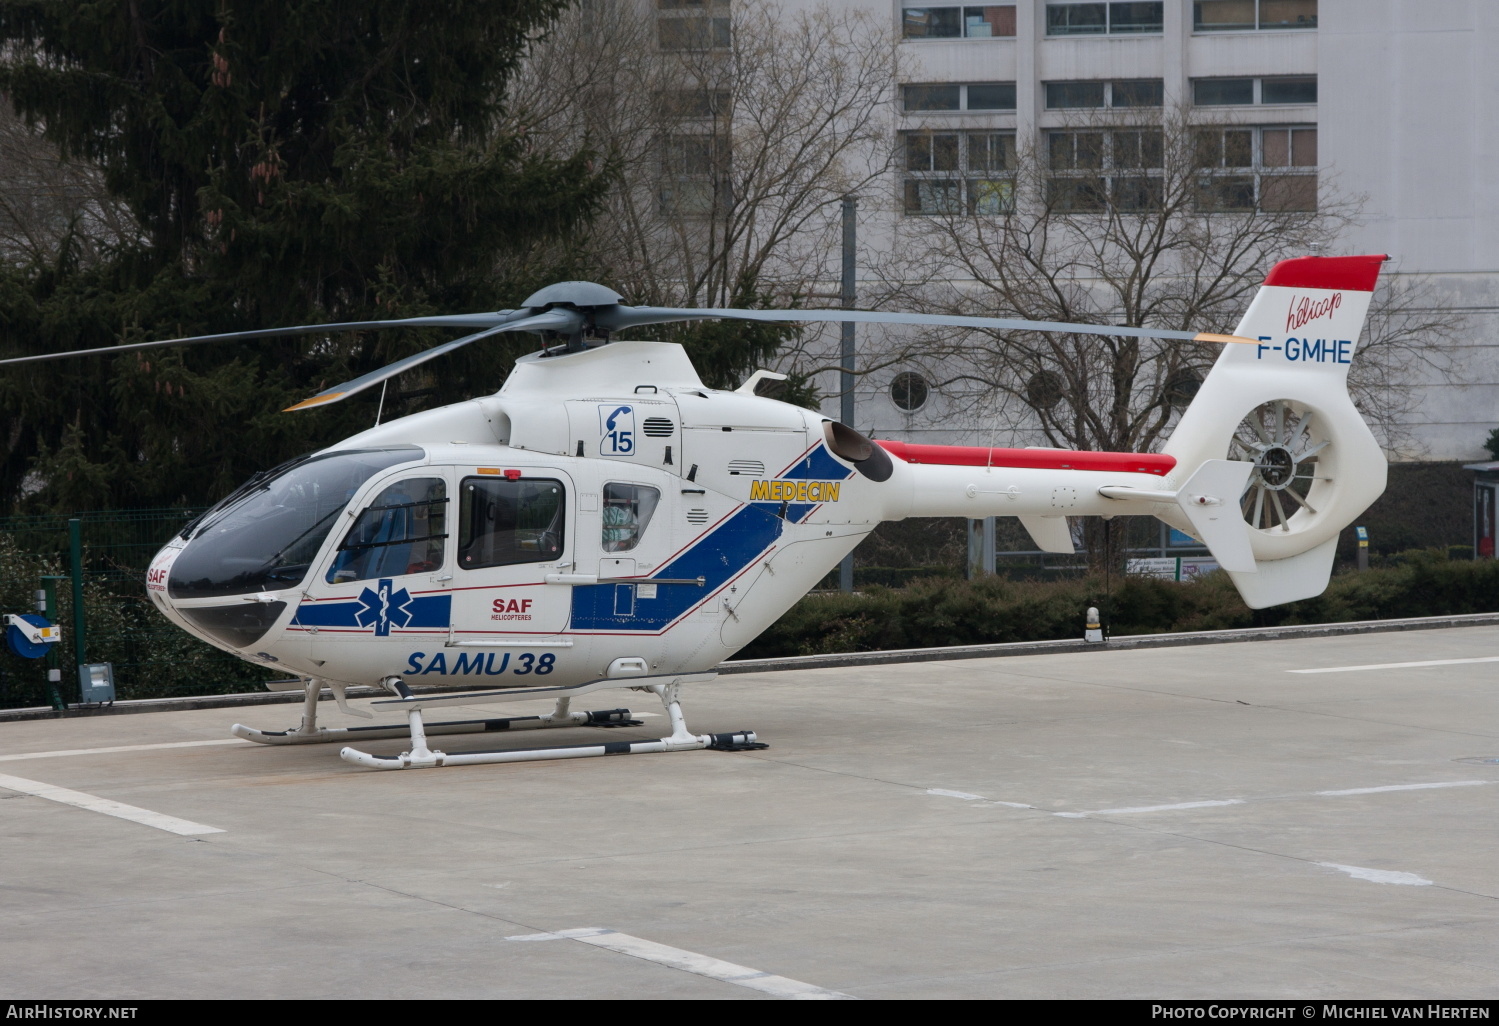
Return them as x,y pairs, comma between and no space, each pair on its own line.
264,536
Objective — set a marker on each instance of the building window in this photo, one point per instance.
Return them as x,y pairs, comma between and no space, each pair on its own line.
952,172
1074,95
909,391
693,32
1099,19
1093,171
973,96
1247,15
1246,92
1142,92
1181,387
1044,389
694,175
1139,92
1288,90
694,104
1244,169
990,21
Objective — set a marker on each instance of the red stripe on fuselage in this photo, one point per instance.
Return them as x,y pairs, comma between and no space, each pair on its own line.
1037,459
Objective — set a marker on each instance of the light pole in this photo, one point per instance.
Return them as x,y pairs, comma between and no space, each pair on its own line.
846,374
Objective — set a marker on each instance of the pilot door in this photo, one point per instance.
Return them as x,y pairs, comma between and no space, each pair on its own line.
511,533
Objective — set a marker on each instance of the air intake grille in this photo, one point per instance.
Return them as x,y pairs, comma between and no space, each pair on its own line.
747,468
697,516
658,427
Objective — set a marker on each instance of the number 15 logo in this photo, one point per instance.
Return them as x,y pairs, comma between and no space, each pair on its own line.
617,430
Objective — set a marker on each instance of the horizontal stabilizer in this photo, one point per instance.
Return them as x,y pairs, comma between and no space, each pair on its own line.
1210,500
1051,534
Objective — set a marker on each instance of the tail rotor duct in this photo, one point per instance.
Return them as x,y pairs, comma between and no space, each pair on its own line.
1281,438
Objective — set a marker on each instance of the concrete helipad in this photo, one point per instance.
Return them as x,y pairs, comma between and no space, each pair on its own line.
1169,823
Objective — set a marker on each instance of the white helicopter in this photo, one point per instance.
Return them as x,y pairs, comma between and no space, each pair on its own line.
606,521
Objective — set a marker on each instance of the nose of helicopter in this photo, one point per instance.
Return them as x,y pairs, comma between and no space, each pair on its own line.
231,574
236,622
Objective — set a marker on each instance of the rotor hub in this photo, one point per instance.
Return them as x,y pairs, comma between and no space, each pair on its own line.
1276,467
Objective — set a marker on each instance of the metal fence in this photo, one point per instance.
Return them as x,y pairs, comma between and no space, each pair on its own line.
92,567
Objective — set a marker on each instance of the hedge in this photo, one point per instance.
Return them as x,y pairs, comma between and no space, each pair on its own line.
942,611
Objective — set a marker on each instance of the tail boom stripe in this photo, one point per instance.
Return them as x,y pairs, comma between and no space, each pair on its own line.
1158,464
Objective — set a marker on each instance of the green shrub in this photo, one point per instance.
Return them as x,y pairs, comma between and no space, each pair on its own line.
942,611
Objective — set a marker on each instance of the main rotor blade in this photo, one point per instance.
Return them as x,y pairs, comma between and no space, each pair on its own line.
630,316
478,320
552,320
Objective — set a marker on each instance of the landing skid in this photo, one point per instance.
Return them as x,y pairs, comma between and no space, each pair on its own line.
327,735
309,733
421,756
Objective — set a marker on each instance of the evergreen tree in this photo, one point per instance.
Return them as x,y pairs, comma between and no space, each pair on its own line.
286,162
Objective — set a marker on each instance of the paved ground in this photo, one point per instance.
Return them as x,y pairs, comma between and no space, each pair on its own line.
852,855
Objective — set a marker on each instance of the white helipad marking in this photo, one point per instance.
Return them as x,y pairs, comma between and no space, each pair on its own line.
1399,666
1401,787
94,803
120,748
1150,808
1388,876
689,961
955,794
1240,801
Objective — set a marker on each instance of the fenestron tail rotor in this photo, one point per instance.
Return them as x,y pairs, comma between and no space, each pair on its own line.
573,311
1281,439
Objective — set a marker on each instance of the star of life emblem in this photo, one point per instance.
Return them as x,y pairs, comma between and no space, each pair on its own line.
384,608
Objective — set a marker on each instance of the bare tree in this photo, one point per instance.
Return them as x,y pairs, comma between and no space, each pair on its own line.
1167,222
734,131
48,201
1410,337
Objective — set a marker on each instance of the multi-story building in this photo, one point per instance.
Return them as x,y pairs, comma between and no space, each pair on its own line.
1384,101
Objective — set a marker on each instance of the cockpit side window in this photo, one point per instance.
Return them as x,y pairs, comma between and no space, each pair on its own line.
502,522
401,532
627,513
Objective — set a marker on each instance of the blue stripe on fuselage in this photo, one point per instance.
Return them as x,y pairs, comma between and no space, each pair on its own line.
716,557
427,612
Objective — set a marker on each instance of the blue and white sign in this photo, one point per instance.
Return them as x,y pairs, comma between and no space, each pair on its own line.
30,636
382,607
616,430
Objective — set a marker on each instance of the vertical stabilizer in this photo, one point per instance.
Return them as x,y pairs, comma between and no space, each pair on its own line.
1283,405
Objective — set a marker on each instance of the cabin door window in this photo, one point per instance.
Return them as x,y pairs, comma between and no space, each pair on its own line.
503,522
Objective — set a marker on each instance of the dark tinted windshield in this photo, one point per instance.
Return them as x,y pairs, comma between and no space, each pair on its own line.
264,537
